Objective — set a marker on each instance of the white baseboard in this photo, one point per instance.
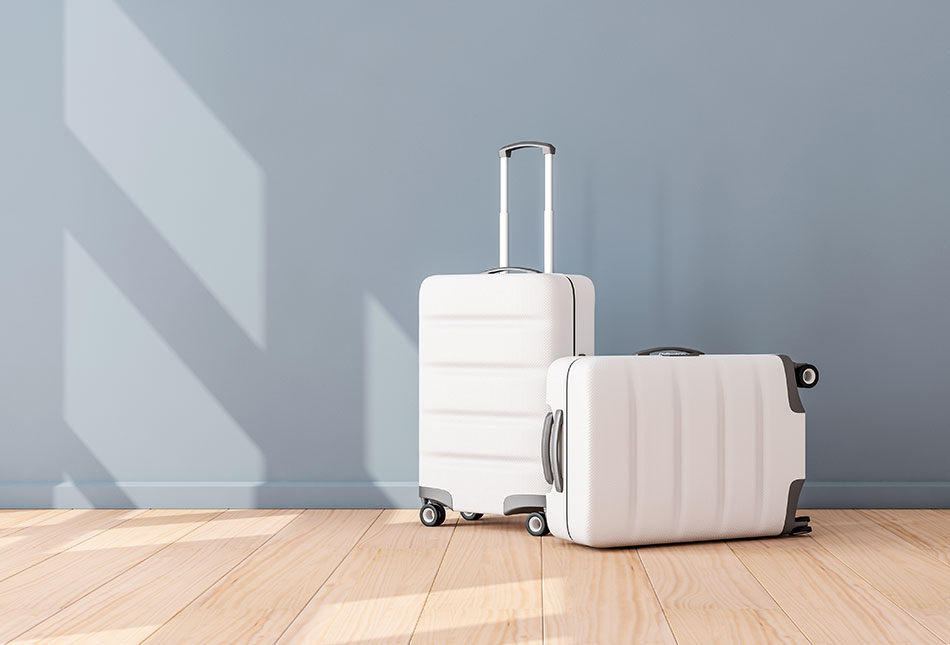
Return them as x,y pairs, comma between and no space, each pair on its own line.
875,495
70,494
209,495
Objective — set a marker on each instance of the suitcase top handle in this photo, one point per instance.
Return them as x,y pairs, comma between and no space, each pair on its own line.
510,270
670,351
547,151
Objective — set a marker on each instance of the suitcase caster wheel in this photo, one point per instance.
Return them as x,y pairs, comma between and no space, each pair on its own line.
471,517
432,514
537,524
806,375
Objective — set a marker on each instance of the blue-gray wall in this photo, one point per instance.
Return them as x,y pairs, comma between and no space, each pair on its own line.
214,218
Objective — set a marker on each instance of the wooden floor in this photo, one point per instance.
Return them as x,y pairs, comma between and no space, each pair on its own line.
369,577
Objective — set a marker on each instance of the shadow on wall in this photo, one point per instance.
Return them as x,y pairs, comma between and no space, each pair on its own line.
188,379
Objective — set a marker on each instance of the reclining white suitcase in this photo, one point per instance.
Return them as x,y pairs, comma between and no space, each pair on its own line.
675,447
485,344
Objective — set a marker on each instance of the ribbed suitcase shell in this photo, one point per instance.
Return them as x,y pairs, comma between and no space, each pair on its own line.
485,345
659,449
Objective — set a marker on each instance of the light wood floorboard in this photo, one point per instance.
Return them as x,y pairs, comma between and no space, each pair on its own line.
598,596
23,547
370,577
488,589
376,595
38,592
709,596
896,567
827,600
259,599
20,517
928,530
139,601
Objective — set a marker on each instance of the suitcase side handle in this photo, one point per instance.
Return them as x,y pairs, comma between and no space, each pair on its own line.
670,351
557,425
504,153
546,448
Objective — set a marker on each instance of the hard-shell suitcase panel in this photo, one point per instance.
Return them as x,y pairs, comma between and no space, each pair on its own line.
485,344
495,321
659,449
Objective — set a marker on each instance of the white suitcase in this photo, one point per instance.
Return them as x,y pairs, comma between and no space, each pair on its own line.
676,447
485,344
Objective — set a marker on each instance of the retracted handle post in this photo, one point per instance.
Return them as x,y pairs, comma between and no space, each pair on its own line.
547,151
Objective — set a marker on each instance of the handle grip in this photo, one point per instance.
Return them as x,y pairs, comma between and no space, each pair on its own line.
546,448
674,351
546,148
504,153
557,425
510,270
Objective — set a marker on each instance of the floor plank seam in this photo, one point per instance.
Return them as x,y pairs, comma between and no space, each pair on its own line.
874,587
434,578
329,575
903,538
659,603
236,565
54,554
541,549
119,574
766,590
52,512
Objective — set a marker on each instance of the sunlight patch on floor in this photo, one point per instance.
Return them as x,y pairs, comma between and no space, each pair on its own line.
70,636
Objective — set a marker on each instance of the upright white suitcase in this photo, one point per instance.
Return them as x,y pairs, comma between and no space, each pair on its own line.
675,447
485,344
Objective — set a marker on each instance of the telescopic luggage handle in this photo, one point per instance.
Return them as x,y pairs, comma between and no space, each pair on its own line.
547,151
